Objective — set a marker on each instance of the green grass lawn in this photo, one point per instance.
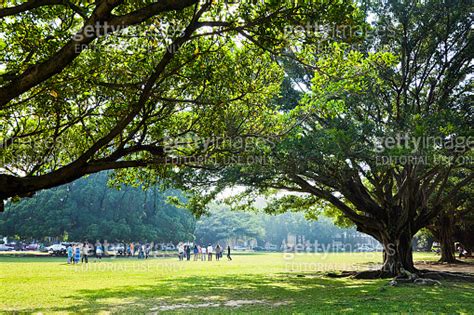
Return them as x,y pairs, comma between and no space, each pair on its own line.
257,283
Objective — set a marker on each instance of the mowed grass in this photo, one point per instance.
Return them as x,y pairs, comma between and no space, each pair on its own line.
256,283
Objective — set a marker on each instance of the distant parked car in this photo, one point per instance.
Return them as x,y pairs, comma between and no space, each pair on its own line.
32,247
271,247
111,250
120,249
240,248
5,248
57,250
169,247
257,248
16,246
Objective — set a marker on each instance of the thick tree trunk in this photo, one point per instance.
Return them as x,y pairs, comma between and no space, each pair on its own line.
446,239
398,254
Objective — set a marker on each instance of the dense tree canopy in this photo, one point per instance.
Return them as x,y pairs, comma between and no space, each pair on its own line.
88,86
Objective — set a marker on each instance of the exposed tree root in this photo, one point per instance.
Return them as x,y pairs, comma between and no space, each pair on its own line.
444,261
373,274
407,277
342,274
367,274
441,262
443,275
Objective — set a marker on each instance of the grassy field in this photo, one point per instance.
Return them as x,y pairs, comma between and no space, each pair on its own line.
257,283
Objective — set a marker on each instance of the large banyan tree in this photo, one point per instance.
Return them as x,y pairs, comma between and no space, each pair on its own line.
382,135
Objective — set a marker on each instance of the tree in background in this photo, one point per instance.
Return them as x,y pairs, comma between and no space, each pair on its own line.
454,224
88,209
223,224
356,150
277,228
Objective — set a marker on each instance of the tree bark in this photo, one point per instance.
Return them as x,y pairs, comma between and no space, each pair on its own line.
446,240
398,254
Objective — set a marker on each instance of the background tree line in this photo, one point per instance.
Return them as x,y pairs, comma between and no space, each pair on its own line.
90,209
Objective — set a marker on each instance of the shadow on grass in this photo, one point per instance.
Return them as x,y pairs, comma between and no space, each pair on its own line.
280,293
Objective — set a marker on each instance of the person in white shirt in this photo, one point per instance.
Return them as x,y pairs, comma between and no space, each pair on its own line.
209,252
85,253
180,251
203,252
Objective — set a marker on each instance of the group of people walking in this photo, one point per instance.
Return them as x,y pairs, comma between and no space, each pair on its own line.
202,253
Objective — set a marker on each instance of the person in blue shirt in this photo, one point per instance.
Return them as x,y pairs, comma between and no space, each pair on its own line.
195,252
77,254
69,254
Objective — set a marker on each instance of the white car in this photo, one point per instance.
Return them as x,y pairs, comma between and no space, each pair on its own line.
56,247
56,250
4,248
271,247
240,248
